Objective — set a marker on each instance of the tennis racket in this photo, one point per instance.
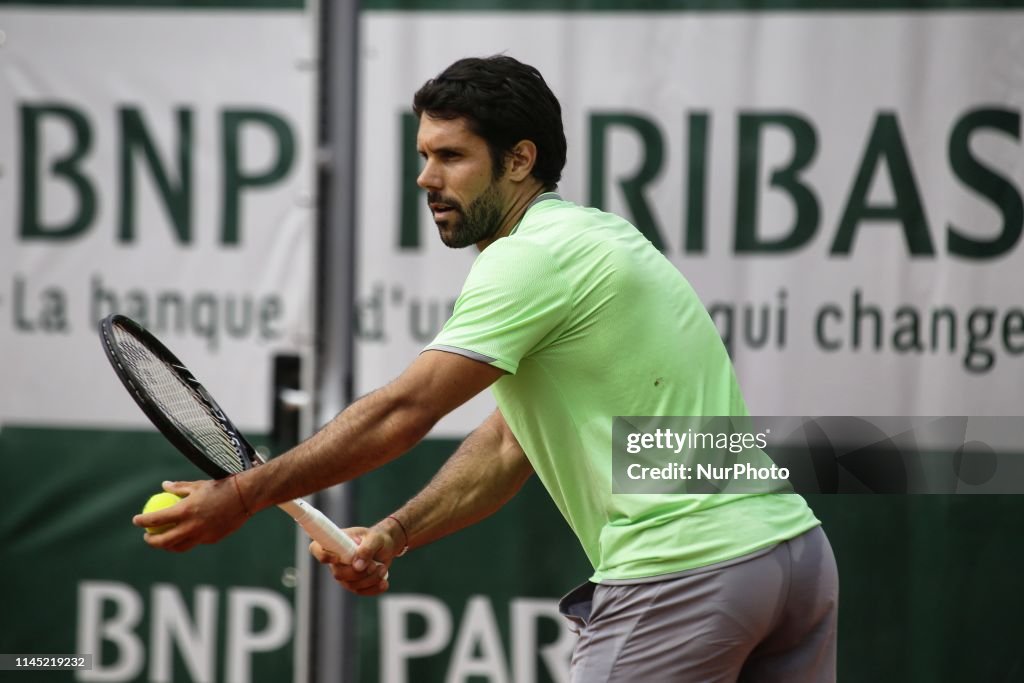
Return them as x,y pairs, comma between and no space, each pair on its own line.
185,413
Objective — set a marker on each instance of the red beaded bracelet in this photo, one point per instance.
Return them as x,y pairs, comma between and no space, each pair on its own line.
241,499
401,526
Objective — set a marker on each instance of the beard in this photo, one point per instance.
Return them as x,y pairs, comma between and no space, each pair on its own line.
468,225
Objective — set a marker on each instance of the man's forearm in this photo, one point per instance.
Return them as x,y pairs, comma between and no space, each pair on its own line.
371,432
486,471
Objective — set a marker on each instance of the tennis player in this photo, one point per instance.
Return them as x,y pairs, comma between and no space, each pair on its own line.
572,317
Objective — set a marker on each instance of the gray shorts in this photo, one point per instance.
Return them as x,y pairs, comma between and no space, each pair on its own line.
767,617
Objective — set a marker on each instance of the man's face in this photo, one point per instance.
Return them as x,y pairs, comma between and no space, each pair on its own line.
465,199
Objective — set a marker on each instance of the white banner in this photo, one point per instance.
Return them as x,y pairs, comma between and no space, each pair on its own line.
842,189
155,163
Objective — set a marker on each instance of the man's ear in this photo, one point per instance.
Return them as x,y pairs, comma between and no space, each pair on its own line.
520,160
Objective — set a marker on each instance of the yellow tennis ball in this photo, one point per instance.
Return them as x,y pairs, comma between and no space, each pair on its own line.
156,502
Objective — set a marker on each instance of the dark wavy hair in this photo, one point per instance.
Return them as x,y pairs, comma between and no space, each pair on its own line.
503,101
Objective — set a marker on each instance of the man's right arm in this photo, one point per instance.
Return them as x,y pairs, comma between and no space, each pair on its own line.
486,471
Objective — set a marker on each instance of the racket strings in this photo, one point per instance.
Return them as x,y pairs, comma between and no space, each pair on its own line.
181,403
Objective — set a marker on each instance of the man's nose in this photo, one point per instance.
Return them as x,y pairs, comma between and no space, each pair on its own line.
429,179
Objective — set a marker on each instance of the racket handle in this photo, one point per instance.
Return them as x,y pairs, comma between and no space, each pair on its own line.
321,529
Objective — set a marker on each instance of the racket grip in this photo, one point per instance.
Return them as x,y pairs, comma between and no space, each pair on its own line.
321,529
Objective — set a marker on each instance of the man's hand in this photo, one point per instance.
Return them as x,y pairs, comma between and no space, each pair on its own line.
368,571
209,511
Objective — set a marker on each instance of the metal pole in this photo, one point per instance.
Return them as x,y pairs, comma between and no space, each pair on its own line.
331,645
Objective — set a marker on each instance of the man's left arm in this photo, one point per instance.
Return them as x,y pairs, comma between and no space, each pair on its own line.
369,433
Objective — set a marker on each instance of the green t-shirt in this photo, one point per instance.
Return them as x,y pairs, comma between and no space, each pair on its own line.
592,322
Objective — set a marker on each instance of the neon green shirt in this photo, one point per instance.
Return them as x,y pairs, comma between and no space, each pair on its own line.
591,321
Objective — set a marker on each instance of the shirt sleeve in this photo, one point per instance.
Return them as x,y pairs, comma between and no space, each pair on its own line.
514,300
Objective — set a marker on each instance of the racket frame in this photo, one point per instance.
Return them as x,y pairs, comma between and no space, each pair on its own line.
247,455
314,522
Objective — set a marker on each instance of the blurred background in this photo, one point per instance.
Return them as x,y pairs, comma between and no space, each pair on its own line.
840,181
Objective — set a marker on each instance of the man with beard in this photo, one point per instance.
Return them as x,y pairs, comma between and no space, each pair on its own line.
572,318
